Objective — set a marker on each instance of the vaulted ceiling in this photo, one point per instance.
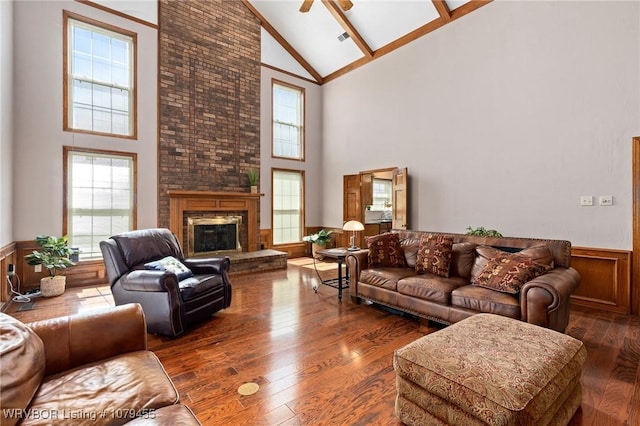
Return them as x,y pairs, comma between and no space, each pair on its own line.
328,41
312,45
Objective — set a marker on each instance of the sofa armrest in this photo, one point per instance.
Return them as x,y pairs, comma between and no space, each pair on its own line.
356,262
149,281
545,300
212,265
79,339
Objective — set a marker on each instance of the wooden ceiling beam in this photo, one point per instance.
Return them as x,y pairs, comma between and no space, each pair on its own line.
443,10
339,16
407,38
306,6
275,34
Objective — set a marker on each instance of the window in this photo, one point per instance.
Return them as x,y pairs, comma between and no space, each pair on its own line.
288,121
99,78
99,197
381,194
288,189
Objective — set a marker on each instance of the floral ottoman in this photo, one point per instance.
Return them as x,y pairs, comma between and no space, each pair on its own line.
489,369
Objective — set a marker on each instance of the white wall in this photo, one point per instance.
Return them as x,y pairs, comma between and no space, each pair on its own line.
313,154
503,118
6,122
38,117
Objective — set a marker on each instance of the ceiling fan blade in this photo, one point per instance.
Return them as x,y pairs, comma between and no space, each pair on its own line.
306,5
345,4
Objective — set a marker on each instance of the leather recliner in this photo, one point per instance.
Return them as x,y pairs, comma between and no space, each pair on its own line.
170,305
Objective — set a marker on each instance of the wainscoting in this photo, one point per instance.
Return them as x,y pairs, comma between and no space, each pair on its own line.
605,273
605,279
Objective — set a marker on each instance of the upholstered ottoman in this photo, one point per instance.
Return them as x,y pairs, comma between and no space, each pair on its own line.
489,369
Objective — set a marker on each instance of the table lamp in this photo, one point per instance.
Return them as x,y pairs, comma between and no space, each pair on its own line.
353,226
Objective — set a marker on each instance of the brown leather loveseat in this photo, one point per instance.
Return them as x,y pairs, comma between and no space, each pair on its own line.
543,300
90,368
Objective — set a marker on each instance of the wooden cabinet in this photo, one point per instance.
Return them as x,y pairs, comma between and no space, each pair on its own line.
376,228
358,193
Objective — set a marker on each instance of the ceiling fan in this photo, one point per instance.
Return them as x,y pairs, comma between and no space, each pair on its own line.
344,4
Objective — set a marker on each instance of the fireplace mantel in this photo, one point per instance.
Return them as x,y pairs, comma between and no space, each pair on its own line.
209,201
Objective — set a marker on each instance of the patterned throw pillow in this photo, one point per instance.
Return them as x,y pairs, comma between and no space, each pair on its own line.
385,251
170,264
540,254
509,272
434,254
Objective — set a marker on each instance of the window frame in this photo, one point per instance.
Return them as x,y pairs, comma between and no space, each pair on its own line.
302,127
66,58
302,204
65,183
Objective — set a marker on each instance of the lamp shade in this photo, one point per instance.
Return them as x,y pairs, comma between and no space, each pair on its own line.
353,225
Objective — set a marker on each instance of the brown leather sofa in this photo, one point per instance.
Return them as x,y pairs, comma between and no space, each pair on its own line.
542,301
90,368
170,304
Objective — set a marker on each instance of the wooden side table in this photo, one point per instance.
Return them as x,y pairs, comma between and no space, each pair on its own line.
339,254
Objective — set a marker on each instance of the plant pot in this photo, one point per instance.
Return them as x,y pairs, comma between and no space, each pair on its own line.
315,247
254,189
52,286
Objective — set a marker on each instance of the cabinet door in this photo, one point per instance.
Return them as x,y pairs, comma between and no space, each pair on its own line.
371,229
400,188
366,189
351,205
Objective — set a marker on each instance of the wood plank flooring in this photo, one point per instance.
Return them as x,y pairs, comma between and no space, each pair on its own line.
320,362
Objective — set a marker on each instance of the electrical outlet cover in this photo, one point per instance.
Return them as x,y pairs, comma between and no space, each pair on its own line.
606,200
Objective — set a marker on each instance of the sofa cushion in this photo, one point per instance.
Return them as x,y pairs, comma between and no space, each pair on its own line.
485,300
385,277
410,247
540,254
434,254
199,284
120,387
463,257
430,287
509,272
170,264
23,361
385,251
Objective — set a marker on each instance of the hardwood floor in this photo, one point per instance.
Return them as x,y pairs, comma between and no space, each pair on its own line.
320,362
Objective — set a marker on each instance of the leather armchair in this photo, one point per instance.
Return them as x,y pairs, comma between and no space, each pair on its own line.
170,305
88,368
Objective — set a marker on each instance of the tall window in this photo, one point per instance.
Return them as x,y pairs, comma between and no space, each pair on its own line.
288,121
99,197
288,190
99,78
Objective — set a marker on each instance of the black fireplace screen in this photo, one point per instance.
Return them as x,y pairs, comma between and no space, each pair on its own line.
214,235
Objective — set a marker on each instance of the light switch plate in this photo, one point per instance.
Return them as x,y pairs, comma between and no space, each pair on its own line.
586,200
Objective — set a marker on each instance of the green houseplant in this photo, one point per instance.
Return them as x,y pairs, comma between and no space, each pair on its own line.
319,240
55,255
253,175
481,232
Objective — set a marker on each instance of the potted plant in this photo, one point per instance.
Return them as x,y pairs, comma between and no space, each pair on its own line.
55,255
319,240
481,232
253,175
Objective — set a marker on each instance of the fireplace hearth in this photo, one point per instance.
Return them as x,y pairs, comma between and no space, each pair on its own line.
213,235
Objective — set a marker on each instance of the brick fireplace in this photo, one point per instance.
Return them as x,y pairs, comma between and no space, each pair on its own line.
184,204
209,109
